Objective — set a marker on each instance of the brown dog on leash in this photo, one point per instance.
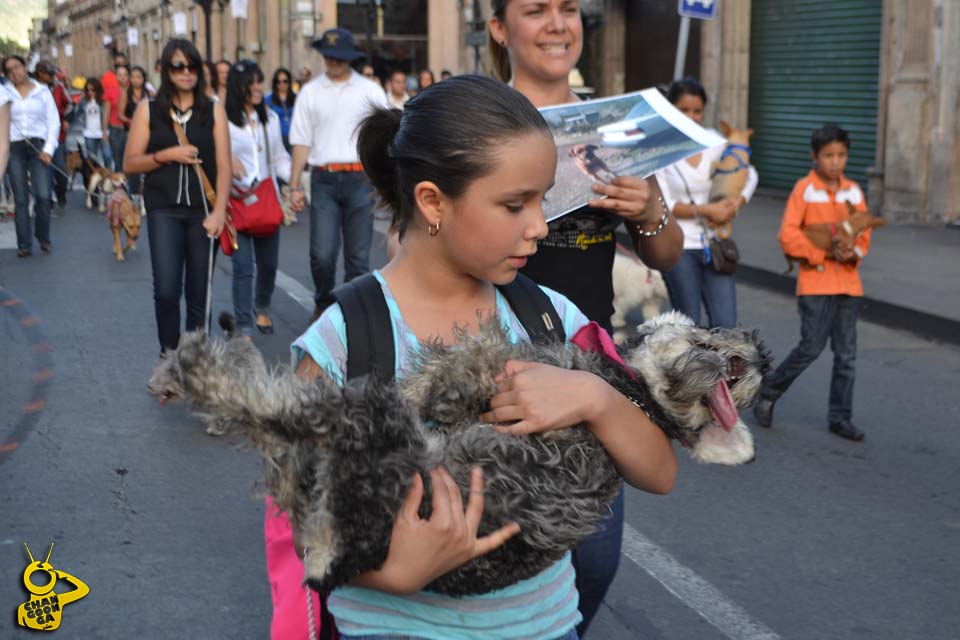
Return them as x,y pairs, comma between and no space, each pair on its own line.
104,179
74,164
122,215
844,233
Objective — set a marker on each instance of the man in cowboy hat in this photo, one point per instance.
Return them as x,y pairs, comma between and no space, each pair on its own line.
323,135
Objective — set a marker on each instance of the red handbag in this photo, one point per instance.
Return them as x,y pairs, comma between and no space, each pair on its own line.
257,211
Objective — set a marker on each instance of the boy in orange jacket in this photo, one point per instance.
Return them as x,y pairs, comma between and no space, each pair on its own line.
828,287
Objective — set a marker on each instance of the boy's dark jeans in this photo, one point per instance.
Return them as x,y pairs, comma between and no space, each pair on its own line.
179,254
823,318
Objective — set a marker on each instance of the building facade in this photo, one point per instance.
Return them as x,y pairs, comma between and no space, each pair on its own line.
883,69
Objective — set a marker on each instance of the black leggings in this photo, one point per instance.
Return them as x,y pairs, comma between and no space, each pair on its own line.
177,240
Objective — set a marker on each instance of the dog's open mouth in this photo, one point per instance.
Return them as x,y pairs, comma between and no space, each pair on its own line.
721,404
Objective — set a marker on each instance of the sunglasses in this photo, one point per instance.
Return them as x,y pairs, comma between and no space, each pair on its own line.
281,81
179,67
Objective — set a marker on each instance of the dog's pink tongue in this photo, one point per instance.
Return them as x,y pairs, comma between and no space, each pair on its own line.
722,408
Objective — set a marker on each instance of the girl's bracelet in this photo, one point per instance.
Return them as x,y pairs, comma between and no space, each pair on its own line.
664,220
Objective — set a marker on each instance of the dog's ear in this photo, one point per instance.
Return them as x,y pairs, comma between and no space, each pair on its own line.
725,128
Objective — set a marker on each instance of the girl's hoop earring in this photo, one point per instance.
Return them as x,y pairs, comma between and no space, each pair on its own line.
433,229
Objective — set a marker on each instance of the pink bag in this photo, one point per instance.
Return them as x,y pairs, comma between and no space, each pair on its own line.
285,572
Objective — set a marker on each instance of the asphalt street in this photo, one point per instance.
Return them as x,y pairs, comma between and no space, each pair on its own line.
819,538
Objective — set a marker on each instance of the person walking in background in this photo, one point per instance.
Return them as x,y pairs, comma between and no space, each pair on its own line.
34,131
47,74
94,114
425,79
305,76
129,99
829,291
116,131
323,132
686,189
220,85
397,89
576,256
368,72
281,101
258,154
177,228
446,73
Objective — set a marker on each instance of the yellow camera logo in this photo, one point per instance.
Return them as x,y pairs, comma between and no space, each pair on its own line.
44,610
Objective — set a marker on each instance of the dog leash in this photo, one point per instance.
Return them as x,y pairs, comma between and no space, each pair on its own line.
181,119
52,165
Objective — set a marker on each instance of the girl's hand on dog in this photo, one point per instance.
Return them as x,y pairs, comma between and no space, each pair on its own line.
537,397
423,550
181,154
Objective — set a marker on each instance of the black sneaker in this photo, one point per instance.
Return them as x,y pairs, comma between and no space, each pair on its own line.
846,430
763,412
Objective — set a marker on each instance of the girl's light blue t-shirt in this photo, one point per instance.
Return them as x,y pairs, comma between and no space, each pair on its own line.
543,607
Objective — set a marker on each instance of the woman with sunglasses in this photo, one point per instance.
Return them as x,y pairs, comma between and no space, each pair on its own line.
177,225
534,46
258,155
281,101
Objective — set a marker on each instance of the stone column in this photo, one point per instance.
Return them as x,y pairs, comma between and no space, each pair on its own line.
443,36
725,64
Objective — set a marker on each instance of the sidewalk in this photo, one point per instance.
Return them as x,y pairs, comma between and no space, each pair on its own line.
911,278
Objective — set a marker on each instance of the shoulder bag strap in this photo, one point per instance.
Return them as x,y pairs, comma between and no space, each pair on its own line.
369,328
207,187
533,309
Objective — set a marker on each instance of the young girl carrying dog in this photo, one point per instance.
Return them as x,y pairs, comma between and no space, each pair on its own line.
464,168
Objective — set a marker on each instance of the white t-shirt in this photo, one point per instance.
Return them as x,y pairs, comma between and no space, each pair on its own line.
93,120
327,115
676,179
248,145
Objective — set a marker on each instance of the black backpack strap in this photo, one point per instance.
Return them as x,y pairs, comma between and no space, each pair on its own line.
369,328
533,309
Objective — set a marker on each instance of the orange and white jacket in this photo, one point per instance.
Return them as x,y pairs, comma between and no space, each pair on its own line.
811,202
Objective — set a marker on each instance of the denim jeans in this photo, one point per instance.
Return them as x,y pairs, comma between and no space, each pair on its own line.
596,559
823,318
570,635
179,254
260,254
24,161
692,280
118,145
340,202
97,150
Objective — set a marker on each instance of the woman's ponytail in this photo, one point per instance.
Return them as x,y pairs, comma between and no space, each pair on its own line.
374,137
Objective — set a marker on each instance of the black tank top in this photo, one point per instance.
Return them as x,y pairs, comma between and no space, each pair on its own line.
175,185
576,259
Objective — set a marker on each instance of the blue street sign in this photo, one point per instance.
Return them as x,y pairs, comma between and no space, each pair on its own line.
701,9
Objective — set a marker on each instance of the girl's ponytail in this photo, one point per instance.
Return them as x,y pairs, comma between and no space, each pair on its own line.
374,139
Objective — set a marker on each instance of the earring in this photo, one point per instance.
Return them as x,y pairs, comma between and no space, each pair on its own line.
433,229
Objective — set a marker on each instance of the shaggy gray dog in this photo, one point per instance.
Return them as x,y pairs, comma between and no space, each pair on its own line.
340,461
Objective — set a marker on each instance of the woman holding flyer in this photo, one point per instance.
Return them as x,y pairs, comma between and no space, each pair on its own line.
534,47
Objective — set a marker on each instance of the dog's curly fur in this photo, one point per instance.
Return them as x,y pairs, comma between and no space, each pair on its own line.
341,461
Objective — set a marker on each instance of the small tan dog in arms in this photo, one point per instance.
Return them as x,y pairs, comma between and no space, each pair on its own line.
729,175
824,236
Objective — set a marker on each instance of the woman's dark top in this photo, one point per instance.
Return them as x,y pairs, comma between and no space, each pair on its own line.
130,108
576,259
164,188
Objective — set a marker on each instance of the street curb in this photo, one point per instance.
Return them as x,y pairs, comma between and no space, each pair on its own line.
925,325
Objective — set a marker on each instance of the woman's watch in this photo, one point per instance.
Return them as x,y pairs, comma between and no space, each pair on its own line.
299,187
